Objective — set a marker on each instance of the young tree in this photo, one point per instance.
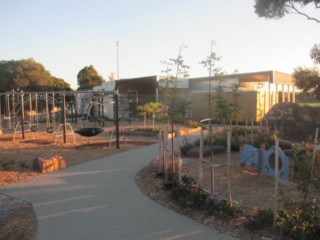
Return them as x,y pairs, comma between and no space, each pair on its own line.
210,63
172,98
169,92
88,78
151,109
222,109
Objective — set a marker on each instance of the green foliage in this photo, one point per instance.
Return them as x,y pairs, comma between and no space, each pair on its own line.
222,109
308,80
219,207
28,75
263,138
263,218
307,173
152,109
6,164
300,221
170,95
277,9
23,164
88,78
185,148
300,218
192,123
188,195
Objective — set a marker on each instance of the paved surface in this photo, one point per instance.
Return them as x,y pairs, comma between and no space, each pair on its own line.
99,200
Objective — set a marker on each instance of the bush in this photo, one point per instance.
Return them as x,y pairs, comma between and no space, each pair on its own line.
7,164
219,207
188,195
300,222
263,218
192,123
185,148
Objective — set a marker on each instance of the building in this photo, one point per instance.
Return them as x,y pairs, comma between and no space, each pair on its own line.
258,92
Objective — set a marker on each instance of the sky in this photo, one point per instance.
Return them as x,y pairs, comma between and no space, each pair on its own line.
67,35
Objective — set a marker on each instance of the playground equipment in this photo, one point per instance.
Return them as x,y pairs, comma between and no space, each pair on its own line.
256,159
54,102
90,111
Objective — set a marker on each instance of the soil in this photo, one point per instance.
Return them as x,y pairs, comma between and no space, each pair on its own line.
153,187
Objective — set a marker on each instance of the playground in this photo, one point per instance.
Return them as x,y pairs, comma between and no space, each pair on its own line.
57,124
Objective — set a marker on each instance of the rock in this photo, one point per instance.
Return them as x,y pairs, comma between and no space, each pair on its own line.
293,122
49,164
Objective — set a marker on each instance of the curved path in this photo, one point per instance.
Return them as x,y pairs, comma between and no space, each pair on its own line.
99,200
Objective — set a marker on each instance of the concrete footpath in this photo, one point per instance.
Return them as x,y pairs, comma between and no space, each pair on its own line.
99,200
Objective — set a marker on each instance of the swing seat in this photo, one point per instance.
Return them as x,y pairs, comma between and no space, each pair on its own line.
49,129
34,128
89,132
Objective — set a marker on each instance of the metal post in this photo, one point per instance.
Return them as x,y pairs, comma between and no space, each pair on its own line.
117,120
64,118
22,116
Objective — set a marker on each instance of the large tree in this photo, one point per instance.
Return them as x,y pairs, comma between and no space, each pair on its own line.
27,75
306,79
88,78
279,8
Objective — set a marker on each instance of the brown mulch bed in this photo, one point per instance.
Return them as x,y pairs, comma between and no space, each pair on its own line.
153,187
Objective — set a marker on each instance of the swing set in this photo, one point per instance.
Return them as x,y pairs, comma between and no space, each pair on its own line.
14,112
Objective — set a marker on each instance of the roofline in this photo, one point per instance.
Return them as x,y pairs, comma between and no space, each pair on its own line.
237,75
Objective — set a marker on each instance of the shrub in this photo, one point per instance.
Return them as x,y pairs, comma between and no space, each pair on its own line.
185,148
263,218
187,194
300,222
7,164
192,123
219,207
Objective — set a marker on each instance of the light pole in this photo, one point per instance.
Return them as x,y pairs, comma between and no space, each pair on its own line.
117,45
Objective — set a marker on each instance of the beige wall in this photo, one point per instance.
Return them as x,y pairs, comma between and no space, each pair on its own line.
247,101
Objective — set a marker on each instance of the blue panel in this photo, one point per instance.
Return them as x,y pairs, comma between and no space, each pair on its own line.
249,157
283,171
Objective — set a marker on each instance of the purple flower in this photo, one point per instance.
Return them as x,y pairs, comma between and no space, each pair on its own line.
214,199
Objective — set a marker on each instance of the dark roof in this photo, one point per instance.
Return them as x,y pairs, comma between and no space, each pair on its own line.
144,85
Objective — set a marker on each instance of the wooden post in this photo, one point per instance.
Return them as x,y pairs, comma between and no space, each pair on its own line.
165,153
160,151
314,151
64,118
276,182
179,168
200,157
229,133
251,138
246,132
211,157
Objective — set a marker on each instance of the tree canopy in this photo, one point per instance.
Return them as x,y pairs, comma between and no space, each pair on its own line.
88,78
308,79
277,9
28,75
